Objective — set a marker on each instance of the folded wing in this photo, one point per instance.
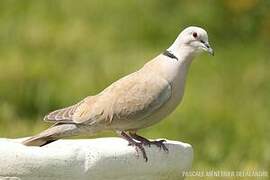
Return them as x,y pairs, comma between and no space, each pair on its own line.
131,98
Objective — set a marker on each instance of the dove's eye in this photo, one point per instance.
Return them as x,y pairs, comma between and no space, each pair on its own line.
195,35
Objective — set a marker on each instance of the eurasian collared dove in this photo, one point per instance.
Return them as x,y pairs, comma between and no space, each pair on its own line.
136,101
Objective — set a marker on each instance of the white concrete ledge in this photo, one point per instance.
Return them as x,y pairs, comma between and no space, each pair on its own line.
95,159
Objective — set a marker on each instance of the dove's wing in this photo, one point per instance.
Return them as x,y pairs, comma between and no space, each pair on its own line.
69,114
133,97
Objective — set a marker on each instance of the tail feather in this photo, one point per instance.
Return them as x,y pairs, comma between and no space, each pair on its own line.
37,141
53,133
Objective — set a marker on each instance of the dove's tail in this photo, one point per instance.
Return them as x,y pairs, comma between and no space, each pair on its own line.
57,131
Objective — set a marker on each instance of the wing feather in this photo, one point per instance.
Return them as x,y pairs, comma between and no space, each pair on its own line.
62,115
130,98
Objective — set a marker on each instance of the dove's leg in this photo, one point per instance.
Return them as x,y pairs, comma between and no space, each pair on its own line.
159,143
132,142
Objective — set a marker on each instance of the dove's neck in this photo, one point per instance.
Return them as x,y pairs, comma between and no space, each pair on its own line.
175,69
183,52
174,63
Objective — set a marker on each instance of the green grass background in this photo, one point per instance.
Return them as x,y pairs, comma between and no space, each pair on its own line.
55,52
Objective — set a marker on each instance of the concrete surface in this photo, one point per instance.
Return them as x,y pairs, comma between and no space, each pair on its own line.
92,159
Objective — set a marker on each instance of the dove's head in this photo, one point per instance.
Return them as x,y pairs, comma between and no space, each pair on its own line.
193,38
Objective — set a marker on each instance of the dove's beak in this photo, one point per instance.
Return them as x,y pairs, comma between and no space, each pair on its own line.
208,48
211,51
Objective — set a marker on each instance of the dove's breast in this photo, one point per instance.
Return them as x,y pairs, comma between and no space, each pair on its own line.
177,83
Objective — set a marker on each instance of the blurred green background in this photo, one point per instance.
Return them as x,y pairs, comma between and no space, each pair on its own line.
54,53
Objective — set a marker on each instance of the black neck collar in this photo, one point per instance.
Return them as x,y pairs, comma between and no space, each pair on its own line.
170,55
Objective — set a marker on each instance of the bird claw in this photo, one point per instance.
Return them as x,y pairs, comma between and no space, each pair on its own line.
139,142
144,141
160,144
139,146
